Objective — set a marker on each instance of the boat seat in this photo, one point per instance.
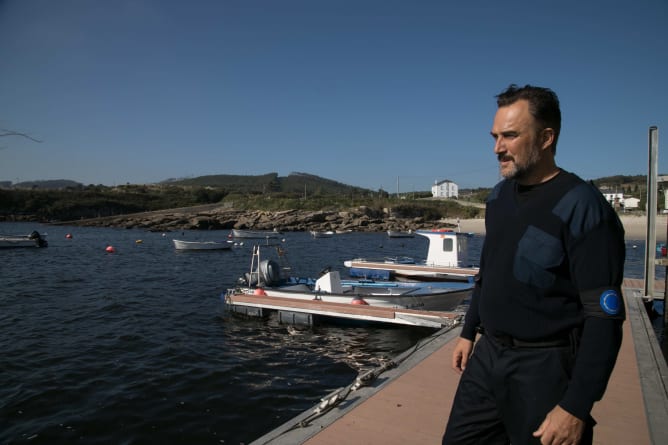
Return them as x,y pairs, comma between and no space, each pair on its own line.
330,282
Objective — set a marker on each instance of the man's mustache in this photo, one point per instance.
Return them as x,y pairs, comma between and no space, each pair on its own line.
505,158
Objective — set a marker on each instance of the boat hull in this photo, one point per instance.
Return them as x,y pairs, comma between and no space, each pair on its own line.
327,234
14,241
8,243
436,300
200,245
255,234
396,234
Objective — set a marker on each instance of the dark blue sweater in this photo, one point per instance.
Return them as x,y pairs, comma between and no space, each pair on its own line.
552,261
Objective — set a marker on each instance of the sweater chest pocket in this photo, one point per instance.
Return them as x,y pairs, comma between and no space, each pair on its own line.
537,253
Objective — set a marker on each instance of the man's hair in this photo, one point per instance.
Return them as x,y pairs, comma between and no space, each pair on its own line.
543,106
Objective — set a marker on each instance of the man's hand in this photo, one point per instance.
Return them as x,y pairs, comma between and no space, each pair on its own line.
560,428
461,354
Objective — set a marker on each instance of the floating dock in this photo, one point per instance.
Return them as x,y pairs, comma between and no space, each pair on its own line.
294,311
408,400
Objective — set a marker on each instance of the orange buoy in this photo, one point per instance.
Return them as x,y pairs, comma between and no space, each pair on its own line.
359,300
259,291
110,249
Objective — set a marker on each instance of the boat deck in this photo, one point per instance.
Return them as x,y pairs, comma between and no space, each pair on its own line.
410,403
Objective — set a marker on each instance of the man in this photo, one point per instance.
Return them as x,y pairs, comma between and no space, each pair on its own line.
547,300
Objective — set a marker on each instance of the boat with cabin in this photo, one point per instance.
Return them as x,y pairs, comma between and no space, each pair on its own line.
447,260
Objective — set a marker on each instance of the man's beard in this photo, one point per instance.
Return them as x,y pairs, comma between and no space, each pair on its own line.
521,170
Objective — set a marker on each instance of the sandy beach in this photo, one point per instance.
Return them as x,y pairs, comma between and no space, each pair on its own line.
635,227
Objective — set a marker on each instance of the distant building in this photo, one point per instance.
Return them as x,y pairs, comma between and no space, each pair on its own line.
618,201
631,203
615,199
445,189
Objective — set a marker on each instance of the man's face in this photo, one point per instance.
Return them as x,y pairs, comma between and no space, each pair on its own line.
517,145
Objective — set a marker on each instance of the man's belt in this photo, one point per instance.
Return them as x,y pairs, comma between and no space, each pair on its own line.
554,342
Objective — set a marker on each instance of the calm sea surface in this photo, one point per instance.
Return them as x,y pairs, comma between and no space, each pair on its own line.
135,347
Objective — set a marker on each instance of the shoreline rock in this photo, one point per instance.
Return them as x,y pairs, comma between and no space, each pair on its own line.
362,219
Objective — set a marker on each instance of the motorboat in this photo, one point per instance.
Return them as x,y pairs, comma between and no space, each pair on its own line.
269,278
201,245
34,239
255,234
447,260
400,234
326,234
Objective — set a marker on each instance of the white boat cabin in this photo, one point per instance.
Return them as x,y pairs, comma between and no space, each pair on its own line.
446,247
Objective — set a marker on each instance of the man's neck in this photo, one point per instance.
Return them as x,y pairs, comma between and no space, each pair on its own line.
540,176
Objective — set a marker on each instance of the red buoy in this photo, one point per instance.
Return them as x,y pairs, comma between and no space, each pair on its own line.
110,249
359,300
68,236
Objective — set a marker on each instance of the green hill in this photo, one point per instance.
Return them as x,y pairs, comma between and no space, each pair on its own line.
294,183
67,200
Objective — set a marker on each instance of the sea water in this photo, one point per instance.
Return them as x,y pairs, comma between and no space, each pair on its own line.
135,346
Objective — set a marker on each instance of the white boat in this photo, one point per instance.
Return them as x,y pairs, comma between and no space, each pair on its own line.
399,234
35,239
447,260
267,277
201,245
255,234
327,234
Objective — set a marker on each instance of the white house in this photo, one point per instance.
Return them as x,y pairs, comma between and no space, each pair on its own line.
617,200
614,198
631,203
445,189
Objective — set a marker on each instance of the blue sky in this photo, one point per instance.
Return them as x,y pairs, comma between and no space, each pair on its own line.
377,94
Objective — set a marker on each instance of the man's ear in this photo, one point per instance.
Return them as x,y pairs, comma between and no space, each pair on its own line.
548,137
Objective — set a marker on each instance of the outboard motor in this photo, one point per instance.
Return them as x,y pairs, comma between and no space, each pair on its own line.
41,242
270,273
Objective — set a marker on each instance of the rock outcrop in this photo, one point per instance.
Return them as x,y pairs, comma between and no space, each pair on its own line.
361,219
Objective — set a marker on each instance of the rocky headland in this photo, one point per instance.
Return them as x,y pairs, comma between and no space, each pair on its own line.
360,219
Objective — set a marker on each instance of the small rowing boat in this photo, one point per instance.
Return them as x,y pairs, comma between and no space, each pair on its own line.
201,245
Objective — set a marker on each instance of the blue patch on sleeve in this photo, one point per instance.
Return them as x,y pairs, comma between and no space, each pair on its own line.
610,302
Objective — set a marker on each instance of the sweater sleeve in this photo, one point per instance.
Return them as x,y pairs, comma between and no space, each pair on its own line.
472,319
601,339
597,265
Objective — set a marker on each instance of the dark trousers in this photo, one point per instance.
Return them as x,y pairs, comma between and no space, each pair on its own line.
505,393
